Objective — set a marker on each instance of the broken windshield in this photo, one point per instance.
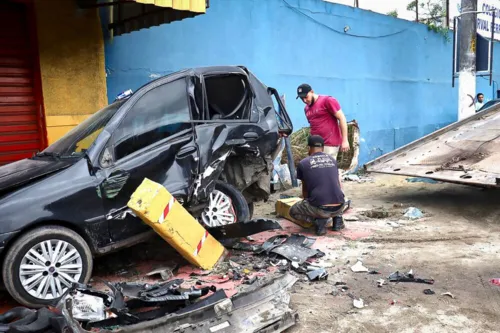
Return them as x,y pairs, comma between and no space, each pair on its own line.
77,141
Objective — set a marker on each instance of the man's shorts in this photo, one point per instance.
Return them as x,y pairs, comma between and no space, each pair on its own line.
304,211
332,151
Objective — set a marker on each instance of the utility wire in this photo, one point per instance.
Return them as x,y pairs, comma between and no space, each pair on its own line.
298,11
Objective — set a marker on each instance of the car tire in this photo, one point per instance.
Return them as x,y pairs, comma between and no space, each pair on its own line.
239,206
62,241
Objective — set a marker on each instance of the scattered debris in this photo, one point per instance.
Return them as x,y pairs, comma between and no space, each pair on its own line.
358,303
352,218
317,275
243,229
378,213
352,177
409,277
249,280
282,262
340,283
359,268
413,213
393,224
165,272
374,272
380,283
448,294
421,180
177,314
322,264
429,292
234,264
495,281
88,307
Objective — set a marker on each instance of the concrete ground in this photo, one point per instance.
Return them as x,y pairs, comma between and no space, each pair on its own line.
456,243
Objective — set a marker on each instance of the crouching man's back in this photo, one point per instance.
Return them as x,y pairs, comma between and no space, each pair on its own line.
323,197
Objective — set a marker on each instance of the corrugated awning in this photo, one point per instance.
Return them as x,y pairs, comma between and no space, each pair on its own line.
124,16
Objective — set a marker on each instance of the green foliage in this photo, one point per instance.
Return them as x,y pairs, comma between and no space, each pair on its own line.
393,13
431,13
440,30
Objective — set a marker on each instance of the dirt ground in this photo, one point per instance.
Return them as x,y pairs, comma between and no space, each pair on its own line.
456,243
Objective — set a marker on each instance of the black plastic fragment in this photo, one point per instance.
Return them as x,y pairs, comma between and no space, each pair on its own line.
429,292
14,314
212,299
40,325
317,275
301,240
401,277
238,230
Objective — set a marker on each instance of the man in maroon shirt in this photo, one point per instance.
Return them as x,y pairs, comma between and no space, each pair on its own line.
326,119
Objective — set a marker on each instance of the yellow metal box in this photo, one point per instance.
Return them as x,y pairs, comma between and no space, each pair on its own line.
159,209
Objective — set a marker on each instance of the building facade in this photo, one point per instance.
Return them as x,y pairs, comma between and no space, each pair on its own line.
52,73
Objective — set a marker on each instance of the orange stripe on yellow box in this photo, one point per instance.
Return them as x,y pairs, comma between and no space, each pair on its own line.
158,208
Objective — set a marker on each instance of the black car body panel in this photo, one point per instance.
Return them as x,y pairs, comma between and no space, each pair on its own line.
179,130
24,171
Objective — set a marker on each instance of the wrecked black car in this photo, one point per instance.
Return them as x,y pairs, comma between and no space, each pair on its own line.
209,135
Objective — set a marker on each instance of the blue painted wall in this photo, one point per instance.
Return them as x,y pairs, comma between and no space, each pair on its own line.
391,75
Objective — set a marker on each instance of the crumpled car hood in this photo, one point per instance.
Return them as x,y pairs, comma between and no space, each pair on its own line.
24,171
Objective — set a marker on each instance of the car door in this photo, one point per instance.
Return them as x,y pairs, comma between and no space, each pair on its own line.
154,140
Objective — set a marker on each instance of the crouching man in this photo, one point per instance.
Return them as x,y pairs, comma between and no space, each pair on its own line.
323,197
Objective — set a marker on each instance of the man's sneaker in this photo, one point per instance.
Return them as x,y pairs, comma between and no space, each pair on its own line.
338,223
321,226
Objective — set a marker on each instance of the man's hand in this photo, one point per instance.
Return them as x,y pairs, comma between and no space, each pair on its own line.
345,146
343,128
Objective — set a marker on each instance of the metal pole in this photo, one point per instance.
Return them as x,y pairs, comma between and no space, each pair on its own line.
492,46
467,29
289,154
447,13
454,63
416,10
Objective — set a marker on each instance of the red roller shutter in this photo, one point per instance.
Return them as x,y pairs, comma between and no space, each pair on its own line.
21,129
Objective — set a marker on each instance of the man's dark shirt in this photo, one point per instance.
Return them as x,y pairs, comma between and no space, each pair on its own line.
320,174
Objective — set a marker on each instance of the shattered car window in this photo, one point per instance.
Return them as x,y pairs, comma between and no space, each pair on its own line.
80,138
161,113
228,97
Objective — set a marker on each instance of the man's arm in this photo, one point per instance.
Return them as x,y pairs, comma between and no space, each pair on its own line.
301,178
343,128
336,110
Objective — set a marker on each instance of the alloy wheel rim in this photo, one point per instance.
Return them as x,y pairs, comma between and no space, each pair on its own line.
49,268
220,210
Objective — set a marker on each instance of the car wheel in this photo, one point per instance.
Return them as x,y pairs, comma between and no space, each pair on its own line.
42,264
226,205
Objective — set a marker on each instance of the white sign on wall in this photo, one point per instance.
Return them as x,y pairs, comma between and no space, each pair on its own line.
484,19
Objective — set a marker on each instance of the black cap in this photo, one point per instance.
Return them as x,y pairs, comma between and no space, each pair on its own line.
303,90
315,141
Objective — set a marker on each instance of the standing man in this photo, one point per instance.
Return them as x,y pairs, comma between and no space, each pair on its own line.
326,119
321,192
